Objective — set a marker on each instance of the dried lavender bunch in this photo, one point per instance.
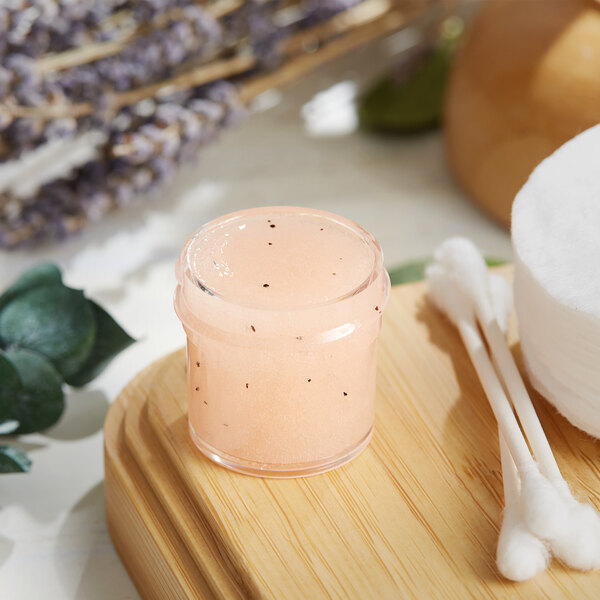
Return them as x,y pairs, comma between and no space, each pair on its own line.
256,22
146,10
141,154
321,10
267,24
151,57
188,35
146,141
33,27
23,134
20,80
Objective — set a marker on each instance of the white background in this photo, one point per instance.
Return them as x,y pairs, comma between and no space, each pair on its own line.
53,538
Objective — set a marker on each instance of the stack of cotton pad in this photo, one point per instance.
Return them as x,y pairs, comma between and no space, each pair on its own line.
556,241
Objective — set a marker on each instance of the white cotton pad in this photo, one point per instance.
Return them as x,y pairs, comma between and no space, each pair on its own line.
556,241
556,223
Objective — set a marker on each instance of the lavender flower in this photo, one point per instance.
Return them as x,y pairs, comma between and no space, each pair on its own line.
134,161
146,141
33,27
256,22
321,10
147,59
191,34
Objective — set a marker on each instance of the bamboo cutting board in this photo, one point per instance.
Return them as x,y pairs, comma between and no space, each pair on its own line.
416,515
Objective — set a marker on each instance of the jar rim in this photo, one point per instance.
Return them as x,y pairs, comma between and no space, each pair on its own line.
225,220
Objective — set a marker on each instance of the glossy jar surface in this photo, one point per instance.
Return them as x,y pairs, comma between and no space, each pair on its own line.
282,307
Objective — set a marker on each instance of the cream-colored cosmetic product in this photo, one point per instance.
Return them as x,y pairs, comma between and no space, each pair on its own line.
282,307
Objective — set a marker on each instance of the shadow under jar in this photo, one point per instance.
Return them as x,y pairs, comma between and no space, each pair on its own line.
282,308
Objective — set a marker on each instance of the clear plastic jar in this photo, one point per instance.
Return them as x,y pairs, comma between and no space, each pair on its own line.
281,307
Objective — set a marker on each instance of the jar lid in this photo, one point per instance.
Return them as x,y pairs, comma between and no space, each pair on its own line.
281,258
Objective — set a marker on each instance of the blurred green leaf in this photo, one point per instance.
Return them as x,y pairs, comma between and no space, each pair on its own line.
411,98
40,401
411,106
13,460
53,320
409,272
38,276
494,262
10,385
110,340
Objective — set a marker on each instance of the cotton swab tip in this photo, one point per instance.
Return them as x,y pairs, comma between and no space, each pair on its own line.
579,547
545,511
447,296
520,555
460,257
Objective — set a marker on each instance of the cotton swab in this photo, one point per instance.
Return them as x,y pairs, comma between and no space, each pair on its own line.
462,261
542,506
578,543
502,300
520,555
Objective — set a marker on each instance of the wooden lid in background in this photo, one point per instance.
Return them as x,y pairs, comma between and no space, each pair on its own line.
526,80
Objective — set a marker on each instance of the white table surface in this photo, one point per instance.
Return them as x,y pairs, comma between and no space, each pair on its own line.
53,538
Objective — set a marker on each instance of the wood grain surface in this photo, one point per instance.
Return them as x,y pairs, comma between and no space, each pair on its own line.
416,515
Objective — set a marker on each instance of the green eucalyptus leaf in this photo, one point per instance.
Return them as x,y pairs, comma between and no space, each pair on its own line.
411,99
407,106
55,321
10,386
38,276
40,401
110,340
415,270
490,261
408,272
13,460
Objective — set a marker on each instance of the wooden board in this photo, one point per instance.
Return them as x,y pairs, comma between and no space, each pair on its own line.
416,515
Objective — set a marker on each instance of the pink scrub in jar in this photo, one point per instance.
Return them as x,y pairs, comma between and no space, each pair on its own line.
282,307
